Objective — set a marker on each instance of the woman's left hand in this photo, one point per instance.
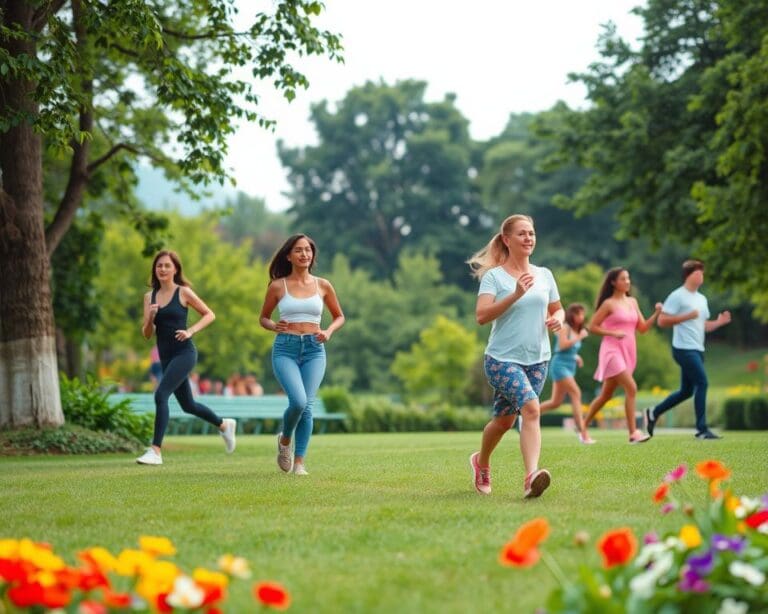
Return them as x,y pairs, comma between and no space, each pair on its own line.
183,335
323,336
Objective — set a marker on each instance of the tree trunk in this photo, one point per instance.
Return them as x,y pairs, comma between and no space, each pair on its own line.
29,387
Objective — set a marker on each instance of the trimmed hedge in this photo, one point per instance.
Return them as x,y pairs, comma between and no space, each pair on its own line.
746,413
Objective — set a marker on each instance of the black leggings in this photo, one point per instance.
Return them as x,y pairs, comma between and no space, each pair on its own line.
176,381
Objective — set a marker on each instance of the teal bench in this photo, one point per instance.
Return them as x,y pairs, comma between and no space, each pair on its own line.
254,412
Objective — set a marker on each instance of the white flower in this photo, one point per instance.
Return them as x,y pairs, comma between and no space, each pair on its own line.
186,594
642,584
649,553
731,606
235,566
747,572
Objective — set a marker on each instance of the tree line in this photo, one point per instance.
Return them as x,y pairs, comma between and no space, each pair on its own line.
667,161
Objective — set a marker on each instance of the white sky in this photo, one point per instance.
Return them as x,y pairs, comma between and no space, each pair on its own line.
497,56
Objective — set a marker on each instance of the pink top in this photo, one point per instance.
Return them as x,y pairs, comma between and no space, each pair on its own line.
617,355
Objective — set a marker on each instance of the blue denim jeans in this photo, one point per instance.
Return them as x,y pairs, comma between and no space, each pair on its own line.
693,381
299,365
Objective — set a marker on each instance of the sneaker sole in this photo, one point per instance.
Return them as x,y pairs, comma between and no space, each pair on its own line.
539,484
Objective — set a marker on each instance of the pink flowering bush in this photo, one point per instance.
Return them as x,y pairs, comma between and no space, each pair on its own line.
714,562
33,578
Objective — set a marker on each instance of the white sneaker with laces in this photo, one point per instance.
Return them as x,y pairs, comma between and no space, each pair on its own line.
150,457
298,469
228,434
284,455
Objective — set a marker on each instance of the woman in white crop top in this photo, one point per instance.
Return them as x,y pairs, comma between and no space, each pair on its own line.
298,353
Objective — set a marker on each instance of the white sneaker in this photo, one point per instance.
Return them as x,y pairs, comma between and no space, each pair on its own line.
298,469
284,455
228,434
150,457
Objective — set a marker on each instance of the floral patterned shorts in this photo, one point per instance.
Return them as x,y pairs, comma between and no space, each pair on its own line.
514,384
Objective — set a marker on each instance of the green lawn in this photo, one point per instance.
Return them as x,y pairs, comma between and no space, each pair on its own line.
384,523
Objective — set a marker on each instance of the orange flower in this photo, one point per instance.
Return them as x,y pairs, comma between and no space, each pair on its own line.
617,547
272,595
661,493
522,550
712,470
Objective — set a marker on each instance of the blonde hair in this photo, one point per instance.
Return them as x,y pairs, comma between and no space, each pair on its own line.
495,253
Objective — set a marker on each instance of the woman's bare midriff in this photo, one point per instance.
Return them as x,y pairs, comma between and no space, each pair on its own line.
302,328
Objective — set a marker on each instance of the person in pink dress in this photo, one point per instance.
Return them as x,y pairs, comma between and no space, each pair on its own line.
617,317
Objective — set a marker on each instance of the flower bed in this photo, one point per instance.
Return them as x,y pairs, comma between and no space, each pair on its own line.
715,562
33,578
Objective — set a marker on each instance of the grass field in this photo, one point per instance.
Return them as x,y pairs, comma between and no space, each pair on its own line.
384,523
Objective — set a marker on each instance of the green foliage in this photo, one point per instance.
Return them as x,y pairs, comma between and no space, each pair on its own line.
734,412
246,218
675,136
756,413
336,399
391,172
67,439
87,405
436,368
385,317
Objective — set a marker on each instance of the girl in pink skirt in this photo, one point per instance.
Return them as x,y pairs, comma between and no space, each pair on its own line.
617,317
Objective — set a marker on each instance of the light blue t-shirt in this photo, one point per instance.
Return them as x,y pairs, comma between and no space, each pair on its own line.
520,334
688,335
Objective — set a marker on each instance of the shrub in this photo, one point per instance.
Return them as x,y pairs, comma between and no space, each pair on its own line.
756,413
734,413
87,405
336,399
67,439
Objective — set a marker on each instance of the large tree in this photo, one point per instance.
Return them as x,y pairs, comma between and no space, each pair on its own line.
102,83
391,171
676,136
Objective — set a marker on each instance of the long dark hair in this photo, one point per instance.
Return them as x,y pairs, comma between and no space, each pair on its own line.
606,290
571,312
280,267
178,277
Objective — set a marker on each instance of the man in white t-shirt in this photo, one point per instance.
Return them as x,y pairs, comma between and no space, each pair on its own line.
687,312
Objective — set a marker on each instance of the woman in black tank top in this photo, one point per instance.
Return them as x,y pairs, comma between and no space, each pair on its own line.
165,313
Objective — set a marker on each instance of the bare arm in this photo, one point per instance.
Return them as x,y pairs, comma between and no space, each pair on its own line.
332,302
723,318
150,311
667,319
188,297
487,308
597,319
556,316
563,342
270,302
644,325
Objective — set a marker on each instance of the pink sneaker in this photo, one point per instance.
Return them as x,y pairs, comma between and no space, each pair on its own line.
481,476
638,437
586,440
536,483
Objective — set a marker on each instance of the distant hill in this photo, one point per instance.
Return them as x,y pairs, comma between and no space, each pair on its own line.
157,193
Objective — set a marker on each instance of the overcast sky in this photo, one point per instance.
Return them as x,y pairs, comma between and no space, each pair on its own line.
497,56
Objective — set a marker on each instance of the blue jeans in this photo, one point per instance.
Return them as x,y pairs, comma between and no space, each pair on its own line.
299,365
693,381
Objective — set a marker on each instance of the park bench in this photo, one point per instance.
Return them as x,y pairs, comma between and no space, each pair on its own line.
252,412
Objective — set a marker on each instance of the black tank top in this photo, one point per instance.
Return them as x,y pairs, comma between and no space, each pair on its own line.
168,320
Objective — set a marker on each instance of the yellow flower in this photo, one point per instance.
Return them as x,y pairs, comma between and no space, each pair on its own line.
690,536
132,562
101,557
40,556
731,503
156,546
9,549
157,577
235,566
206,577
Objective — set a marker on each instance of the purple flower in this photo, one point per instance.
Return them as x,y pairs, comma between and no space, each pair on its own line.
723,543
651,538
667,507
691,582
701,565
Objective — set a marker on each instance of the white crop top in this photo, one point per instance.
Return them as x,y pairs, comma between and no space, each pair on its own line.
294,309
